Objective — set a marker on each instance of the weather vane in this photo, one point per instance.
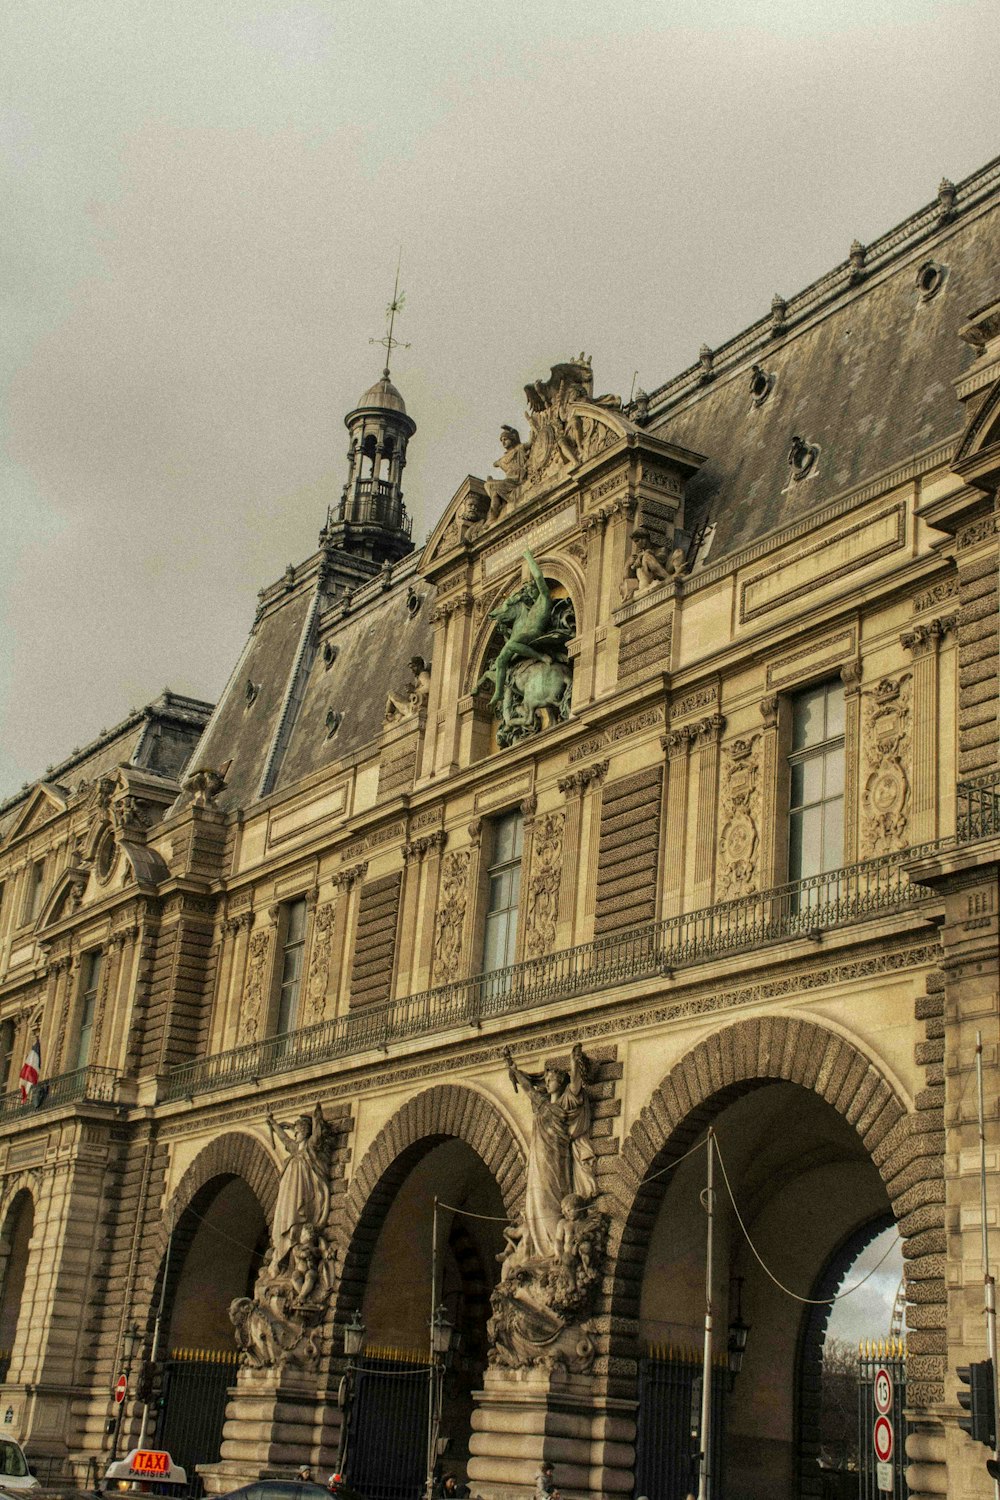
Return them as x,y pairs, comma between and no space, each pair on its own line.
394,307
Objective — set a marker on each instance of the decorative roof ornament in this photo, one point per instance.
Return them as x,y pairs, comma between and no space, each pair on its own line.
947,196
388,342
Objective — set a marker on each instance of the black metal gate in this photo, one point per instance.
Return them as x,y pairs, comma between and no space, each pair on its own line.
874,1355
387,1459
193,1405
667,1425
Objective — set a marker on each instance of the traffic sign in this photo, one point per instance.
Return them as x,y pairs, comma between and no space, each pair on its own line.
121,1389
883,1477
882,1439
883,1391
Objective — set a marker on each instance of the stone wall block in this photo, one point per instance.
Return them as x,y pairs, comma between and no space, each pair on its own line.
923,1266
930,1242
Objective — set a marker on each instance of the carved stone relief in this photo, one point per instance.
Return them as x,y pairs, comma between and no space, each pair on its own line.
450,924
319,961
252,1008
886,744
739,841
543,886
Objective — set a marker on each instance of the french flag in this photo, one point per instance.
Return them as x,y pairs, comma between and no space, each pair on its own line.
30,1071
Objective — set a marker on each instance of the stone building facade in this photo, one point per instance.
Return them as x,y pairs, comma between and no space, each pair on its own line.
657,792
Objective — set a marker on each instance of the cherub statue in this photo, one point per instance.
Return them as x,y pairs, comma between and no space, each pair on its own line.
305,1261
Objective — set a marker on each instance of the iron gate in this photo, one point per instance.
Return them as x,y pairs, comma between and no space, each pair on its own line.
387,1459
667,1426
193,1405
873,1355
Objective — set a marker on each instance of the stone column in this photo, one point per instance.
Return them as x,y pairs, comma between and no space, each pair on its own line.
851,677
676,744
423,961
708,733
528,809
590,632
945,1223
436,696
768,792
924,642
413,855
275,1420
343,932
523,1417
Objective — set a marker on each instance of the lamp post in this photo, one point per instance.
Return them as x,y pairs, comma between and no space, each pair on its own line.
443,1340
130,1339
354,1343
738,1333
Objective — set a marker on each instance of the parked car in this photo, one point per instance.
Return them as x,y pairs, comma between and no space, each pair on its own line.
15,1475
279,1489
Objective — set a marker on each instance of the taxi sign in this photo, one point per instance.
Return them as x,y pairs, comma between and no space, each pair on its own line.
149,1461
144,1465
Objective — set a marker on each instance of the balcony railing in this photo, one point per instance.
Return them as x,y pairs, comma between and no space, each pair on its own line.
977,812
802,908
98,1084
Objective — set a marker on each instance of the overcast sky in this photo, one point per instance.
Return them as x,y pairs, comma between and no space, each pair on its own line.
203,202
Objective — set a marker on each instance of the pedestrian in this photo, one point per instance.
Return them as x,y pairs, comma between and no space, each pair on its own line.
304,1474
453,1490
545,1485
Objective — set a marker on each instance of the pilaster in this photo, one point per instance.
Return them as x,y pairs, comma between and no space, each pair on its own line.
923,641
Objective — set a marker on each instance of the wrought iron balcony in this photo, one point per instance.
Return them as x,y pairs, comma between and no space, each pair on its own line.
97,1084
977,812
802,908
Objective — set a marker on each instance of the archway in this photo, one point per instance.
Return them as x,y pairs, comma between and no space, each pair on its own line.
816,1145
826,1387
219,1239
451,1146
15,1243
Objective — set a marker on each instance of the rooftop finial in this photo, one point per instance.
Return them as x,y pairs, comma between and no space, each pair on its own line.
395,306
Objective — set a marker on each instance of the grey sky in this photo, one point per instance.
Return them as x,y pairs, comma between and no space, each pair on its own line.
203,206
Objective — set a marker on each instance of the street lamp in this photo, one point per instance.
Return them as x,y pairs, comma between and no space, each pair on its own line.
738,1333
130,1340
354,1343
444,1338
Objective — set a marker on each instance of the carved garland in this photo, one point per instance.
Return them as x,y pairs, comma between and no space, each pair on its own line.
251,1011
543,887
450,924
886,745
739,841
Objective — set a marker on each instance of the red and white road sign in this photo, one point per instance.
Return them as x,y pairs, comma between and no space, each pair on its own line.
883,1391
882,1439
121,1389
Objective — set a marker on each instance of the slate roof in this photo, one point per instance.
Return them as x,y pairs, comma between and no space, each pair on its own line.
865,372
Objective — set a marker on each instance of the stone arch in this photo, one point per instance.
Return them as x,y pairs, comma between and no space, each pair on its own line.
235,1154
809,1353
730,1062
554,564
446,1111
24,1182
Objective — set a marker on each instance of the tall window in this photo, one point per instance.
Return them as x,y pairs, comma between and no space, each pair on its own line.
88,1005
291,965
33,892
503,893
6,1053
816,765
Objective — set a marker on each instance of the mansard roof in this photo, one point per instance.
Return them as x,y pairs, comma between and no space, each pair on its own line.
313,653
860,366
157,738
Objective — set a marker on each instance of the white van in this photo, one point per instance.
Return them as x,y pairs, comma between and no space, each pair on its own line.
15,1476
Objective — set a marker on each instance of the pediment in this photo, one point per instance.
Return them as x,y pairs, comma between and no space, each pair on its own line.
977,457
65,897
44,803
573,448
